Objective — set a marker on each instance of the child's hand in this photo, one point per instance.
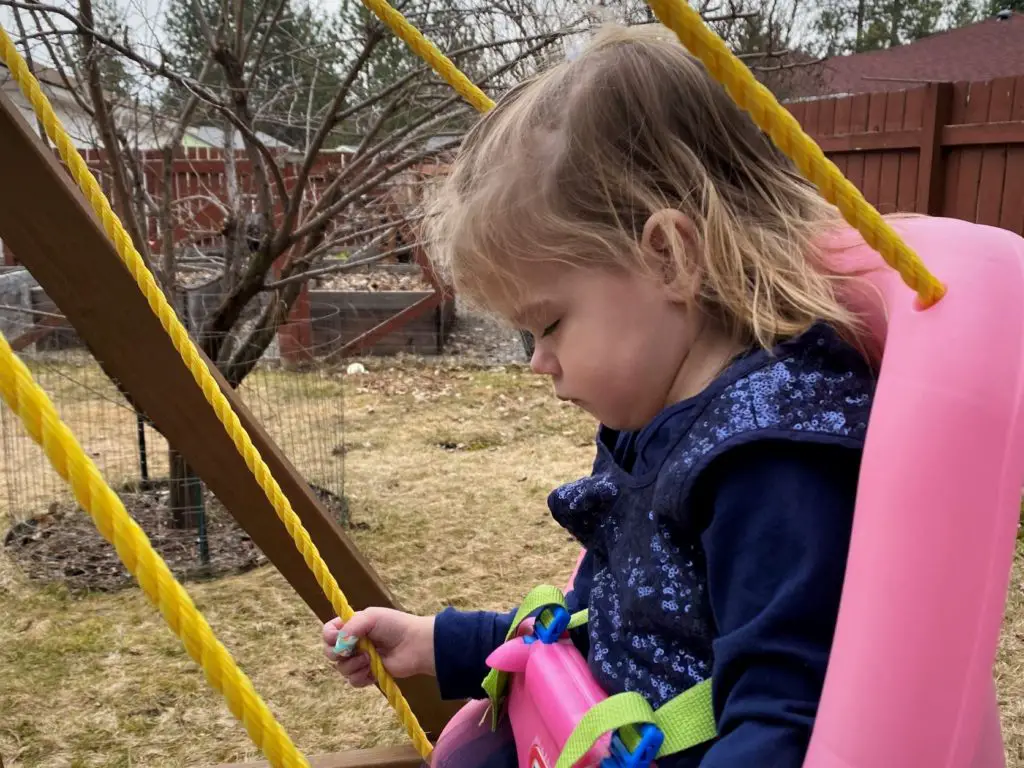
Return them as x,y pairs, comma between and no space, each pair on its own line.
405,644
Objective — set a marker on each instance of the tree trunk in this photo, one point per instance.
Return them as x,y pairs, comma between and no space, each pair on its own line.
896,23
186,513
186,493
527,344
859,40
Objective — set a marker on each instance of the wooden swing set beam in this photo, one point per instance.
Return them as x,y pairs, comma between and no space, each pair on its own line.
379,757
48,223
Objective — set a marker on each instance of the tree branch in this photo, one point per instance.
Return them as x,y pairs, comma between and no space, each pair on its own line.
791,65
375,181
334,207
266,38
105,123
165,218
334,268
159,70
313,151
31,68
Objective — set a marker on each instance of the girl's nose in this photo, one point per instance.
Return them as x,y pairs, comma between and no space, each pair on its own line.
544,363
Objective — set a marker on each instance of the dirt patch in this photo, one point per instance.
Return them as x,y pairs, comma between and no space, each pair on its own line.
479,338
461,527
63,546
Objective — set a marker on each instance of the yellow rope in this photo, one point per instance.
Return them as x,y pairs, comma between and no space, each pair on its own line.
777,122
183,344
430,53
757,100
27,399
785,131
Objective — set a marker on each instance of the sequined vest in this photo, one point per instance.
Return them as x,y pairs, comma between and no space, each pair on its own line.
651,625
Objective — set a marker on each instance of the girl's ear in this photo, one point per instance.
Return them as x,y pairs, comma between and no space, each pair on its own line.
670,241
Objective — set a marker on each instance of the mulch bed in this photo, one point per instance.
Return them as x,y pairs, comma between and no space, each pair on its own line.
373,281
62,545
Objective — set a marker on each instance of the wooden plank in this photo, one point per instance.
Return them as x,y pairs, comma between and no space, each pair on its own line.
810,118
47,221
966,199
992,132
913,115
332,327
38,332
873,160
871,142
858,124
844,111
993,158
889,173
931,171
379,757
1011,214
957,114
827,118
388,326
357,301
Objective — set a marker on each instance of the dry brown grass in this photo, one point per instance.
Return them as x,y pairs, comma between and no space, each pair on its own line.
100,681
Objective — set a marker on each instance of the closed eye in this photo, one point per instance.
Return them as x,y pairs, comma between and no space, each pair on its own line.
550,329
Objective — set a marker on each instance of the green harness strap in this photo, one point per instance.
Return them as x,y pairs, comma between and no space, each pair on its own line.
686,721
541,598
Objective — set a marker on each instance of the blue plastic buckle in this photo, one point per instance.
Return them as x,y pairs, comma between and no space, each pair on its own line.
621,756
554,628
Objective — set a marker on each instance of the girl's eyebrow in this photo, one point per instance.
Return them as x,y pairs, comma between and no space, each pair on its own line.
532,310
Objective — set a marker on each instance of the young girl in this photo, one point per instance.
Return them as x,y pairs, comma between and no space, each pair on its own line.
664,255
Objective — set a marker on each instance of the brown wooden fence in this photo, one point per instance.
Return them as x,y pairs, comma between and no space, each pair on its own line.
945,149
199,190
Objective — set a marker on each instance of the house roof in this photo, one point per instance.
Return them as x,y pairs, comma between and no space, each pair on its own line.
213,136
153,134
983,51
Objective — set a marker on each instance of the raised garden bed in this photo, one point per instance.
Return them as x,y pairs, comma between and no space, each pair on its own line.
340,308
337,317
346,305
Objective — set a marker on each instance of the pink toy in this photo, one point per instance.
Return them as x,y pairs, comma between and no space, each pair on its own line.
550,689
910,677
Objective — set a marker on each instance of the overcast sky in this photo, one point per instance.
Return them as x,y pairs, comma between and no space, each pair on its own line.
143,17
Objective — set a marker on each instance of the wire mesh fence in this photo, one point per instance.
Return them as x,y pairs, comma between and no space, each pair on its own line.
301,407
295,391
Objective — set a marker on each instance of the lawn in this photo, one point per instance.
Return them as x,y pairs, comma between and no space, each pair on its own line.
446,470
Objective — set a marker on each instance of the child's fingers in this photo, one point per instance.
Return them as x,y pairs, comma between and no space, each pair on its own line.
360,676
330,631
361,623
350,668
343,637
361,679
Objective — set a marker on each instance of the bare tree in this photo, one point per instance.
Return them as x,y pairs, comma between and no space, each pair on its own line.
322,126
320,152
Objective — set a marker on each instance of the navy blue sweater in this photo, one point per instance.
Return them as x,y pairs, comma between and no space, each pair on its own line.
716,543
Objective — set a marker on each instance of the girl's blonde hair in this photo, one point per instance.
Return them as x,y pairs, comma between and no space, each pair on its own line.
571,164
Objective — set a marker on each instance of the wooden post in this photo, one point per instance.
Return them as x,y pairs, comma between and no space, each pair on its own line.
47,221
931,164
379,757
369,338
295,336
